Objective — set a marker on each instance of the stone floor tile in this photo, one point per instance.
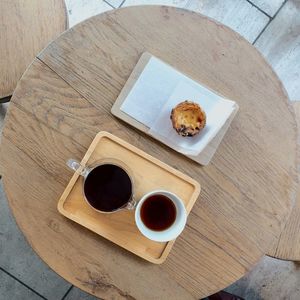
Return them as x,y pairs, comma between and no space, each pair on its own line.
17,258
11,289
280,44
115,3
177,3
270,7
79,10
78,294
270,279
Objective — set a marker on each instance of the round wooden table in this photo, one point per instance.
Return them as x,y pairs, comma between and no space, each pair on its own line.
26,28
288,245
65,98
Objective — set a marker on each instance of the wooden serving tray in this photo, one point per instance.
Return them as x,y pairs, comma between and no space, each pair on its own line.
148,174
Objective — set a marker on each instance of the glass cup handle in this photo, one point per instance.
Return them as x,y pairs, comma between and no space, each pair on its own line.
77,167
131,204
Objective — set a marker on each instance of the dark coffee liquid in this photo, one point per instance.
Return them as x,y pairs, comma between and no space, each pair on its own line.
107,187
158,212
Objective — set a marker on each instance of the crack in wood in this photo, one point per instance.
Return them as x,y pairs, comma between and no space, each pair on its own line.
99,282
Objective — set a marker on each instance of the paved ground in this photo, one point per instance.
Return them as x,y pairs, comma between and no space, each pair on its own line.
273,26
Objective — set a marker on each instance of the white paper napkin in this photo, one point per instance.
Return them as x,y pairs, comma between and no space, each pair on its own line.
151,91
217,112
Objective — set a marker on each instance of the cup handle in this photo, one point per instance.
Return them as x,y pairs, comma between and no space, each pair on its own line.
131,204
77,167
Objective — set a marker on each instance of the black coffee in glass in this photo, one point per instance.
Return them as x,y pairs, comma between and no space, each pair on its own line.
108,187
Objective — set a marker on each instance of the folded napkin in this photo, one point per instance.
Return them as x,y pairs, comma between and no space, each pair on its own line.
159,89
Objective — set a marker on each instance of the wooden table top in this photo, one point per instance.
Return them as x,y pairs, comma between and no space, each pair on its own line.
65,98
26,28
288,245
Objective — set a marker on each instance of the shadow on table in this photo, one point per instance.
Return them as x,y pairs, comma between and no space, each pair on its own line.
223,296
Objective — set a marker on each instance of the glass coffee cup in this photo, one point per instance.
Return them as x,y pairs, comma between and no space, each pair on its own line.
107,185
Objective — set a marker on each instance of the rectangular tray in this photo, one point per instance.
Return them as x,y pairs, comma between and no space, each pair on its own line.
148,174
205,155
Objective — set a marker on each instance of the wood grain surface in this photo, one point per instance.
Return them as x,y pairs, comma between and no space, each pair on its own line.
26,28
288,245
65,98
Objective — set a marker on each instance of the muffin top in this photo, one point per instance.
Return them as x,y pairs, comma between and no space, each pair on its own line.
188,118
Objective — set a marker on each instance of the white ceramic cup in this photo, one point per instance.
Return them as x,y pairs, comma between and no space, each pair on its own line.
171,232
